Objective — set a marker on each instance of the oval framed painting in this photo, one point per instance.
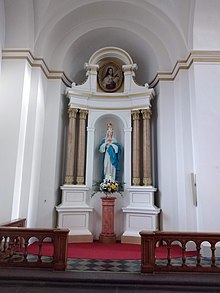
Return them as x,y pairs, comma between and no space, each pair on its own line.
110,77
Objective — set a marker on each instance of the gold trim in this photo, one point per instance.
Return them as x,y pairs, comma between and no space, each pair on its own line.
69,179
80,180
147,181
136,181
36,62
193,57
135,114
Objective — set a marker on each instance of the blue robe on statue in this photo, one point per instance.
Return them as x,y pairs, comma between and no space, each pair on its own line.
112,152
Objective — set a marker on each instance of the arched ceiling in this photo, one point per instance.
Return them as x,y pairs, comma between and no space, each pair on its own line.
153,32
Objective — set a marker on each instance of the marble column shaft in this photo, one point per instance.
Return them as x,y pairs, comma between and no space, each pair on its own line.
136,147
81,147
71,146
147,178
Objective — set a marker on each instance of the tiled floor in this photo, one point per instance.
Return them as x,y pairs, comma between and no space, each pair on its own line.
91,265
129,266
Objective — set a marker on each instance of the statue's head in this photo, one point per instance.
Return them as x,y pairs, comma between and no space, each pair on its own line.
109,126
109,132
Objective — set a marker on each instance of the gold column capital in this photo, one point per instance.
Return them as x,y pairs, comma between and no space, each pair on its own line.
147,181
83,114
136,181
68,179
135,114
146,113
72,112
80,180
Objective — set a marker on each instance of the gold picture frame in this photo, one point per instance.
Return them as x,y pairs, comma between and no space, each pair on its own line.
110,77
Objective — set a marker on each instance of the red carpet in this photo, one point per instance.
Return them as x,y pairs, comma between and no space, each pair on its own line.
117,251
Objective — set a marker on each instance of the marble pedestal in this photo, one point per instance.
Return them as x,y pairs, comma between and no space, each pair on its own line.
108,235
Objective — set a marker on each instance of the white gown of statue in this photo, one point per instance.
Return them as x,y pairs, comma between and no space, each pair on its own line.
111,151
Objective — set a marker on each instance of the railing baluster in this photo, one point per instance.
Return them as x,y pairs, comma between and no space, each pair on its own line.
168,254
25,249
183,254
15,240
213,254
183,237
39,250
198,257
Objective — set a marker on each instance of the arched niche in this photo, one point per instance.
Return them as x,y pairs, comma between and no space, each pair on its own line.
100,126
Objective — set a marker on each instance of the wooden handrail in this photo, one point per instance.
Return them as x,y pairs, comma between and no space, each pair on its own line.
20,222
151,240
14,242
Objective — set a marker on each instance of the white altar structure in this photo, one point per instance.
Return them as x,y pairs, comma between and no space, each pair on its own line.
127,106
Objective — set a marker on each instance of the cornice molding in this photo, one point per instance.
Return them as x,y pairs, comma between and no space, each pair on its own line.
193,57
36,62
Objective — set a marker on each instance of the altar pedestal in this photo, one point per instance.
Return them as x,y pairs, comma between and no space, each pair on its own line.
108,235
140,214
75,214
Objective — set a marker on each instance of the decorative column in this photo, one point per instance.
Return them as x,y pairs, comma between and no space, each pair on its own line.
81,147
108,235
71,146
147,178
136,148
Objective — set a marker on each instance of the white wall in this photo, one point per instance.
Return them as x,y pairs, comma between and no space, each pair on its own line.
166,156
33,147
2,29
52,167
19,24
207,162
187,220
175,155
206,25
13,113
34,115
188,142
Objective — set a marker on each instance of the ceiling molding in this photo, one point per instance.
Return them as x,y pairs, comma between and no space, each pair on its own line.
36,62
193,57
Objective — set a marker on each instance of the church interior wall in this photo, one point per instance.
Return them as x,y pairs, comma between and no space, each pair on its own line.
166,157
185,153
53,151
2,29
33,148
14,111
206,25
35,124
207,143
19,24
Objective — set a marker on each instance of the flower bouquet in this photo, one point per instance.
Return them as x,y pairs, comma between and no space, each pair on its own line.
108,187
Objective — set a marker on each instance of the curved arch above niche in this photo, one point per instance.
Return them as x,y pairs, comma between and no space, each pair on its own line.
111,52
125,94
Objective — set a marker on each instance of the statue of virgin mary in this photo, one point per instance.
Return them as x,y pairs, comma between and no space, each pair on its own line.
111,150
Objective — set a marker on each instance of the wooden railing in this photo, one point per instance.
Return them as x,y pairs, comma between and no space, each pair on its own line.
150,241
15,241
21,222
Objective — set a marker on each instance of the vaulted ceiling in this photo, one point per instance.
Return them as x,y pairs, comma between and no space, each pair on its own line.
154,32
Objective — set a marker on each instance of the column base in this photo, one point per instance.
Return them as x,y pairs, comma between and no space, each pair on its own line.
80,238
107,238
130,239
